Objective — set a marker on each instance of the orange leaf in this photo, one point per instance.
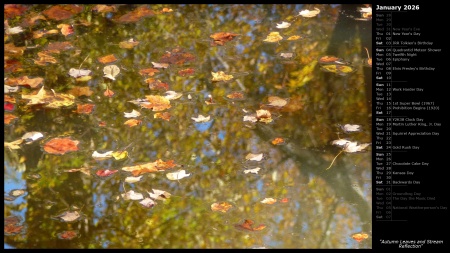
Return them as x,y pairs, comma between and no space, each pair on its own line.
186,72
132,122
9,99
149,71
277,141
105,173
66,29
55,47
156,166
177,56
24,80
12,51
60,146
248,225
221,207
155,84
102,8
360,236
164,116
13,229
108,93
85,108
157,103
67,235
8,118
235,95
284,200
60,12
80,91
135,15
107,59
13,10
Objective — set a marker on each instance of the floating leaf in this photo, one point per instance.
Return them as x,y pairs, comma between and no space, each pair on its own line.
201,118
79,72
111,71
236,95
56,47
69,216
147,203
31,137
353,147
342,70
157,103
164,116
283,25
294,37
80,91
8,118
60,146
277,141
135,15
108,93
220,76
133,179
67,235
128,44
186,72
251,118
254,157
132,114
276,101
45,58
264,116
60,12
13,145
366,13
360,236
269,201
284,200
102,8
156,166
172,95
160,65
11,50
13,229
13,30
177,175
349,128
368,61
286,55
159,194
13,10
177,56
131,195
85,108
17,192
248,225
9,89
254,170
102,156
221,38
273,37
309,13
340,142
107,59
82,170
132,122
120,155
148,71
154,84
221,207
66,29
105,173
50,100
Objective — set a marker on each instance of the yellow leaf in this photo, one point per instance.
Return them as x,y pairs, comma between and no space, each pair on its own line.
119,155
220,76
273,37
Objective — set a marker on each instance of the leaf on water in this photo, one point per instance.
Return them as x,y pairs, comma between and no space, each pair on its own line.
286,55
277,141
165,116
156,103
80,91
13,30
156,166
50,100
108,93
221,207
85,108
13,145
101,156
79,72
177,56
264,116
186,72
10,89
359,237
340,142
368,61
31,137
341,70
69,216
201,118
248,225
67,235
13,229
135,15
13,10
328,59
221,38
44,58
155,84
254,157
251,118
294,37
131,195
128,44
284,200
11,50
132,122
111,71
133,179
160,65
60,146
269,201
177,175
277,101
120,155
254,170
172,95
236,95
8,118
366,13
353,147
17,192
166,10
147,203
221,76
66,29
148,72
159,194
283,25
105,173
132,114
309,13
63,11
82,170
8,106
348,128
107,59
56,47
273,37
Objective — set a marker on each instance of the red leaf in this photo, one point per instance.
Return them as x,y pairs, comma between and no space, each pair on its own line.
60,146
105,173
8,107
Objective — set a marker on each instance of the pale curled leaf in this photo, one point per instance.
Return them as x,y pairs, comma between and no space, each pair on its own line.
79,72
99,156
254,157
283,25
147,202
254,170
340,142
159,194
201,118
133,179
269,201
131,195
351,128
171,95
309,13
132,114
353,147
177,175
111,71
32,136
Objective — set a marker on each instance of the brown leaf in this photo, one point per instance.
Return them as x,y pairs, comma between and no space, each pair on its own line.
221,37
156,166
248,225
102,8
186,72
157,103
276,101
12,228
132,122
9,99
67,235
277,141
11,50
128,44
8,118
45,58
85,108
295,103
107,59
60,146
24,80
52,100
177,56
66,29
60,12
136,15
13,10
12,65
105,173
80,91
155,84
164,116
148,72
56,47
